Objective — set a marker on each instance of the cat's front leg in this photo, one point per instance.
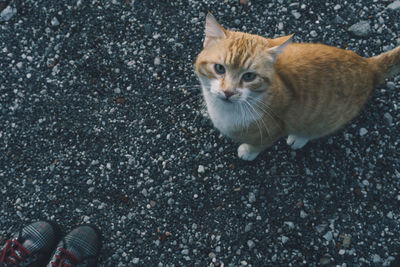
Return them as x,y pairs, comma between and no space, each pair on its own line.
249,152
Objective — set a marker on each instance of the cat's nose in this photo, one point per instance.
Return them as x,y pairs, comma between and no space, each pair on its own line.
228,94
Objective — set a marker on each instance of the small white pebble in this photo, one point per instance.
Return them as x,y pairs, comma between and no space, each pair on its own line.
328,236
54,21
251,244
313,33
376,258
337,7
303,214
201,169
252,197
390,215
289,224
363,131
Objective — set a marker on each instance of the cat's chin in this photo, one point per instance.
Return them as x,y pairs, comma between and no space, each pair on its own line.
228,101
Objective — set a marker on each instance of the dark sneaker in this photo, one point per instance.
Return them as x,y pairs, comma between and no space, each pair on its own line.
81,247
32,246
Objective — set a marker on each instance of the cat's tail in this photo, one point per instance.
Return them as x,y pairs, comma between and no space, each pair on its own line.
385,65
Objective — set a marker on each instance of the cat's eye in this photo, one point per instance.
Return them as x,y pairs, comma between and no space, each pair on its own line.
249,76
219,69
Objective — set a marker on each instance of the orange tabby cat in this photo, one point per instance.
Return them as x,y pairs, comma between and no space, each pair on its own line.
258,90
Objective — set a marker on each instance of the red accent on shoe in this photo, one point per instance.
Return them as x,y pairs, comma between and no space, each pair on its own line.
14,252
64,256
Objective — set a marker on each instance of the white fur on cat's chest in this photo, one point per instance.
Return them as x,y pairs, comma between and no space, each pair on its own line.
228,118
225,118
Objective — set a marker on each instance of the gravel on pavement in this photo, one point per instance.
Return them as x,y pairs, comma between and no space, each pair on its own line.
102,121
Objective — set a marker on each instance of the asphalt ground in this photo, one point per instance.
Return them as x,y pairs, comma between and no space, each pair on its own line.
102,121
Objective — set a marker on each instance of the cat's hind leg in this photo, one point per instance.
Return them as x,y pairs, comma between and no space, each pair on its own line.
249,152
296,142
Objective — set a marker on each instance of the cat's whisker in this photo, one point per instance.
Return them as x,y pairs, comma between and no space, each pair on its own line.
238,108
244,118
264,105
189,89
263,122
266,127
247,124
190,85
189,100
261,106
243,126
261,103
273,119
240,123
256,121
203,108
243,121
184,86
266,112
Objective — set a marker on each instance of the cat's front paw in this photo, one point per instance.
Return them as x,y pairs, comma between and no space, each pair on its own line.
296,142
246,152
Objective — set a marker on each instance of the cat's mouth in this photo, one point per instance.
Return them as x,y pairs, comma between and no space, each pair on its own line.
225,99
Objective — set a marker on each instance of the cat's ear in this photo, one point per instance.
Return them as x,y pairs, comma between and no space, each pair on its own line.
277,50
279,40
213,30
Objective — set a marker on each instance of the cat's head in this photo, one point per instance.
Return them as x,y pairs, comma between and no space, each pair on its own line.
236,66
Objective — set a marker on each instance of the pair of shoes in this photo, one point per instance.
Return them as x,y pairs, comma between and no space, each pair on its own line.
34,245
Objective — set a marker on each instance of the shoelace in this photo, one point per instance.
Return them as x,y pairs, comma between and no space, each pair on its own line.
64,256
14,252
